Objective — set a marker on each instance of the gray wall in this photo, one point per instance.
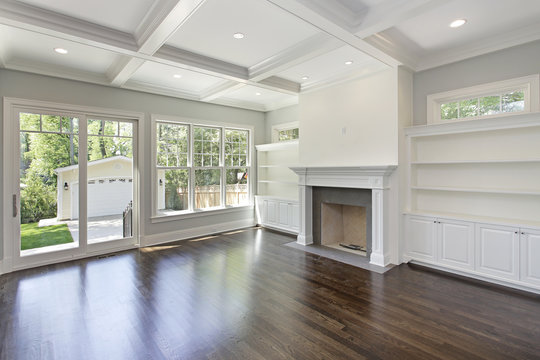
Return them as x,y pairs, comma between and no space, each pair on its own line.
280,116
505,64
38,87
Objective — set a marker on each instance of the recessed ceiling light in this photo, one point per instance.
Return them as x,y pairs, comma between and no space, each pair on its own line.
349,62
177,76
305,77
258,94
457,23
238,35
61,51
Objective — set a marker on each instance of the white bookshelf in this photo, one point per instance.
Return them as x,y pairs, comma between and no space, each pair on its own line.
277,186
473,201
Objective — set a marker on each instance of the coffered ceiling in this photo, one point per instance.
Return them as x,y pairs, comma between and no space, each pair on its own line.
187,48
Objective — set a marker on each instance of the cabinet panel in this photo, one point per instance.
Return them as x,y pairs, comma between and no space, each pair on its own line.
530,256
497,250
283,214
456,243
421,235
271,211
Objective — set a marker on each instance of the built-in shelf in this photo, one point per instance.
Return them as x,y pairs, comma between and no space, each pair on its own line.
475,162
479,190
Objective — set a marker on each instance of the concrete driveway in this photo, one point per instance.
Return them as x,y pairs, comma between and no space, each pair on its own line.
102,228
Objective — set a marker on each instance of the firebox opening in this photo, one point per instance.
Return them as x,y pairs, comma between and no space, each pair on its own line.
344,227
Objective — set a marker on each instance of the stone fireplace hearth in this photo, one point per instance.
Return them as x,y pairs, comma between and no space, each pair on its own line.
369,183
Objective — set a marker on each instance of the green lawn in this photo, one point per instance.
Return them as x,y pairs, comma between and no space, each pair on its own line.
33,236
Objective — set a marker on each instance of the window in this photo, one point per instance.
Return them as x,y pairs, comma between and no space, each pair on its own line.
200,167
489,100
285,132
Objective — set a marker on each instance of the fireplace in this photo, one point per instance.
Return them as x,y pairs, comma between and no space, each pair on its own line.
342,219
340,188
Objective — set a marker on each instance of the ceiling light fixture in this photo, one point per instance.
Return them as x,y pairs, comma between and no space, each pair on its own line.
177,76
258,94
457,23
349,62
61,51
305,77
238,35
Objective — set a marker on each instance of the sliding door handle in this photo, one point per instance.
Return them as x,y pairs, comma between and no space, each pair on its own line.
15,210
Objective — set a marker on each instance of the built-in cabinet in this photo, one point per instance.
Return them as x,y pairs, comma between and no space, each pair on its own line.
277,186
473,200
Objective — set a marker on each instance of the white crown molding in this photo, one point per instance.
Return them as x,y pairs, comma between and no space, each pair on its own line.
398,46
239,104
367,70
306,50
255,106
24,16
485,46
161,90
56,71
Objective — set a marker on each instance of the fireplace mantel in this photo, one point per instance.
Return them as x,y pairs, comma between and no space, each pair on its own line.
355,177
375,178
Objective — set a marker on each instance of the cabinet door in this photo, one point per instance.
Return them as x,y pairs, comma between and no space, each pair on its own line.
420,239
456,243
283,214
530,256
497,251
271,212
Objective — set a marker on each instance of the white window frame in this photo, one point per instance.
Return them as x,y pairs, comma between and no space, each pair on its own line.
530,85
192,212
281,127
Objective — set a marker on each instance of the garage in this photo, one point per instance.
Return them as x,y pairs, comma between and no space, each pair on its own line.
108,196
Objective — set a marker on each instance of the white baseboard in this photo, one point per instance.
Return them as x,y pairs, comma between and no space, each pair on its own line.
1,267
150,240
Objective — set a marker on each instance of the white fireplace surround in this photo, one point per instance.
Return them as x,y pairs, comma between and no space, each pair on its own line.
375,178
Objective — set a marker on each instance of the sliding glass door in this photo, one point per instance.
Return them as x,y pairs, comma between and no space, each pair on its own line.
73,185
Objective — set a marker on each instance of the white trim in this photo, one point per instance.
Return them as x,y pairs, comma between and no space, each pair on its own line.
499,123
375,178
531,85
515,284
191,123
194,232
276,129
11,259
180,215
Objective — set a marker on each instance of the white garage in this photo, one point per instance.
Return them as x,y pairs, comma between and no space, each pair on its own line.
110,188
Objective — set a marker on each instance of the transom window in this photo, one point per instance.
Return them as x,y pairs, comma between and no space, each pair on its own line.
289,134
508,102
514,96
285,132
200,167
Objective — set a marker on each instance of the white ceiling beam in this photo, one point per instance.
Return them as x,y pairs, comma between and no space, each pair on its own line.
220,90
27,17
314,18
123,69
306,50
161,22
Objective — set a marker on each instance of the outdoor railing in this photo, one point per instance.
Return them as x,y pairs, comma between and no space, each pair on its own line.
127,219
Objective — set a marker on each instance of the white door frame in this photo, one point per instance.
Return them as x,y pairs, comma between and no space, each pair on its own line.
11,224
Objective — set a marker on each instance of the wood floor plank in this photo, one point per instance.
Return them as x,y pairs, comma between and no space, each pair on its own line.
244,295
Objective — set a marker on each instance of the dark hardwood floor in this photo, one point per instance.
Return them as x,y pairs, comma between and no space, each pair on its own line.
244,295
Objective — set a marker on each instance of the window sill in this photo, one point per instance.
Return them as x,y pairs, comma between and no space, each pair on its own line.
199,213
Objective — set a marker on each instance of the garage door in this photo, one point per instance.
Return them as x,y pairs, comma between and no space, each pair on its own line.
105,197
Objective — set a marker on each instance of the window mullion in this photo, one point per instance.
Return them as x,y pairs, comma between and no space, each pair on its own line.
222,168
191,182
